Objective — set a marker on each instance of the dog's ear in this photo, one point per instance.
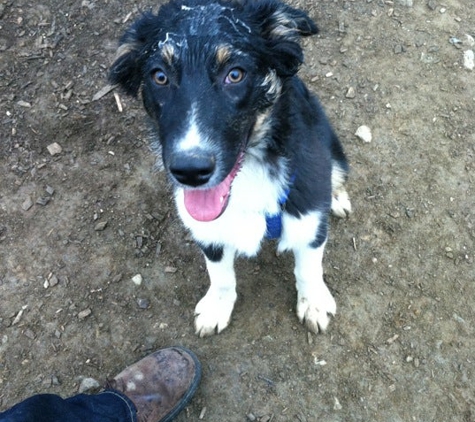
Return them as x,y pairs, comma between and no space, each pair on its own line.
126,70
282,27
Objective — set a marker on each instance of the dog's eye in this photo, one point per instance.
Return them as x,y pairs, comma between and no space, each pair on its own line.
234,76
160,77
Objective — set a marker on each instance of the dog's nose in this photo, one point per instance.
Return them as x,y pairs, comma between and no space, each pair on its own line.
192,169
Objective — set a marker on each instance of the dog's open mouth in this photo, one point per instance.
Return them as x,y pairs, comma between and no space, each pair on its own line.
209,204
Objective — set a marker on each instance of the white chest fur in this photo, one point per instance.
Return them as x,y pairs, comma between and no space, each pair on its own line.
254,194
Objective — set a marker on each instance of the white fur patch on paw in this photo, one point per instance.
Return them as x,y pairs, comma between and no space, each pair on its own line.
213,312
341,205
315,312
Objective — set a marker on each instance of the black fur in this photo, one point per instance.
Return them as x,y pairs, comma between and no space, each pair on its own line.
213,252
283,54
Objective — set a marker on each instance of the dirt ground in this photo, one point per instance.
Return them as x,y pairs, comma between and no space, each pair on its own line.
77,224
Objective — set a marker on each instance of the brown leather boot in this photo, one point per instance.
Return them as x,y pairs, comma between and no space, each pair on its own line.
161,384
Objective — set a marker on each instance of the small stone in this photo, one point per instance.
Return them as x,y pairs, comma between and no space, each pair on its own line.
337,405
158,249
468,60
398,49
137,279
54,148
170,270
469,40
85,313
53,281
25,104
351,93
407,3
364,133
49,190
46,382
30,334
27,204
432,4
100,226
88,384
319,362
43,200
143,303
117,278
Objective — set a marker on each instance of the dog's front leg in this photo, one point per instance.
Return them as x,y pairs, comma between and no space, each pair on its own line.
306,236
213,311
314,302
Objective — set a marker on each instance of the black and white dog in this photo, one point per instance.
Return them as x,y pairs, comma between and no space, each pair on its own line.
247,147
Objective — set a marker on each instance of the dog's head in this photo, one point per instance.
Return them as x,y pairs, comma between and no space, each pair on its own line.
209,73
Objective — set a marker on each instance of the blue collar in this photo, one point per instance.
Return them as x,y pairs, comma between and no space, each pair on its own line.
274,221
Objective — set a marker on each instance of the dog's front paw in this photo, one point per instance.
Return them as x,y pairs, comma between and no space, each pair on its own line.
315,312
213,313
341,205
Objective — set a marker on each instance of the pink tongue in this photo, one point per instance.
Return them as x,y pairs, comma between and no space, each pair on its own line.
208,204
